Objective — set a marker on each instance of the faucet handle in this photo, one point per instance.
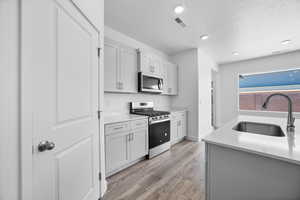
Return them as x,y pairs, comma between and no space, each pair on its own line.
293,120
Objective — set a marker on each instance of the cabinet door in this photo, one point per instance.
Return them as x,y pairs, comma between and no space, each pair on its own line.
179,129
174,131
111,62
150,64
144,62
116,151
155,66
128,70
165,77
139,144
184,125
172,79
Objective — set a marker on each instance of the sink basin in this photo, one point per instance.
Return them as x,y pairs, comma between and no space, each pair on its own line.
259,128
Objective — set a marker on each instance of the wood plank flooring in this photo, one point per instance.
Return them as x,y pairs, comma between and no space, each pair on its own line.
174,175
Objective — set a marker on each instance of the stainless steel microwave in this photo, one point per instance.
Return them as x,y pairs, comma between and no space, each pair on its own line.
149,83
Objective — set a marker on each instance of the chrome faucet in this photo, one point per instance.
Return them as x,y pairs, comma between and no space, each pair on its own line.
291,119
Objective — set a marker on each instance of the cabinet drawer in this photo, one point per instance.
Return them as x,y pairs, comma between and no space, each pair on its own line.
117,127
139,124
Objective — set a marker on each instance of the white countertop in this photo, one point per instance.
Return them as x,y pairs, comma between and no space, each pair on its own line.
115,117
285,148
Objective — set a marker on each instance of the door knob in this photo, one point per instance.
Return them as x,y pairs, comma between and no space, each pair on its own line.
45,146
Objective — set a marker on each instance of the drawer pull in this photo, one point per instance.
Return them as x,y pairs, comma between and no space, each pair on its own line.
117,128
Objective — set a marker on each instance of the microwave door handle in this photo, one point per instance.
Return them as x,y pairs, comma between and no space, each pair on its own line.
160,84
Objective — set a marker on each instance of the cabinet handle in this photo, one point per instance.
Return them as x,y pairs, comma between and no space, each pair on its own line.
117,128
130,137
179,123
151,68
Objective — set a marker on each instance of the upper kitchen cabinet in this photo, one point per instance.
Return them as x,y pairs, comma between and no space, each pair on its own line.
120,67
93,10
149,64
170,77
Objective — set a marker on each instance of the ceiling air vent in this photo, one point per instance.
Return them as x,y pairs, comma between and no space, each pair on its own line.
180,22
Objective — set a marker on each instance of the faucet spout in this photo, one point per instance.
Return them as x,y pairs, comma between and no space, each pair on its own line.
291,119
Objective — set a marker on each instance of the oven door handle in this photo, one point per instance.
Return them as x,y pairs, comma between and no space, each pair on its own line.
155,122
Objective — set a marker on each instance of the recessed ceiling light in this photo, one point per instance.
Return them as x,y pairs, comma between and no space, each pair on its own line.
179,9
204,37
285,41
235,53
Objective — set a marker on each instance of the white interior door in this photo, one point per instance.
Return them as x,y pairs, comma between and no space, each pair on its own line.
65,83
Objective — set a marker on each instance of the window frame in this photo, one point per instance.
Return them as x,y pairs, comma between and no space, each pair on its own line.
262,112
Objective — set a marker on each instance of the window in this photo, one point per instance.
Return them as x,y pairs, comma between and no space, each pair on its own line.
255,88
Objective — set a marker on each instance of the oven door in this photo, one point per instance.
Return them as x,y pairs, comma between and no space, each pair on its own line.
149,83
159,133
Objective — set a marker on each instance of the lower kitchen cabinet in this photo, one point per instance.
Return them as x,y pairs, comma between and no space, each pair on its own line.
125,143
116,150
178,126
139,144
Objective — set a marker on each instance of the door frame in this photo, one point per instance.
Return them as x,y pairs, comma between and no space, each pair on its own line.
26,98
26,107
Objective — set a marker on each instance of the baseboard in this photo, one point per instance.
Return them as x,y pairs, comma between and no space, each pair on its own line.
104,189
177,141
194,139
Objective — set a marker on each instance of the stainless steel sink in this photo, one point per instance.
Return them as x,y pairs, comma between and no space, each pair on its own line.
259,128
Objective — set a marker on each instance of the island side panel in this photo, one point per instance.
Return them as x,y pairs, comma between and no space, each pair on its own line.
236,175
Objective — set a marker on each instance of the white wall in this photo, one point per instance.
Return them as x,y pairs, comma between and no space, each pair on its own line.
206,65
9,122
119,103
227,97
120,37
194,79
188,89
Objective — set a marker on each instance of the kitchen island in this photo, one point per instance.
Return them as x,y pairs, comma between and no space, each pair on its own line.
247,166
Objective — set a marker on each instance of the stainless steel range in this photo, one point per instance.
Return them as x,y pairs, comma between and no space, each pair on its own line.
159,126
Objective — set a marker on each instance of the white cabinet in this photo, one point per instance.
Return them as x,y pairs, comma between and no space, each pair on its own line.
120,67
125,143
111,62
178,126
149,64
139,144
170,77
128,69
116,150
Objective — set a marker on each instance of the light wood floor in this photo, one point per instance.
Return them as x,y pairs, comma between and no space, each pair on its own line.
174,175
